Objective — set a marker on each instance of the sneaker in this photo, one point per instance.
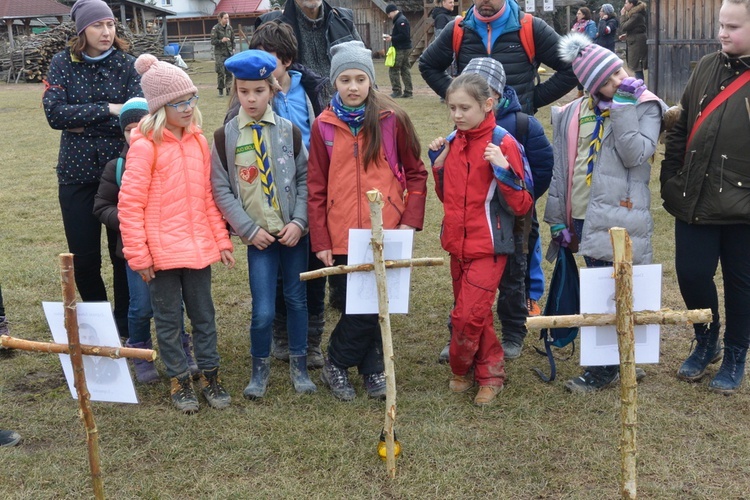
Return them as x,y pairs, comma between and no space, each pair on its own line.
406,96
215,394
512,349
183,396
444,356
221,92
599,377
9,438
487,394
461,383
533,307
395,94
375,384
337,379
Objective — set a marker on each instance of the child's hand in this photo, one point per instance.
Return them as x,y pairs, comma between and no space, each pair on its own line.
290,235
146,274
628,92
326,257
227,258
435,146
406,226
262,239
494,155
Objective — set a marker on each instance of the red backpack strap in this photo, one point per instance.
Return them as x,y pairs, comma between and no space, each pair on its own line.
527,36
458,36
716,102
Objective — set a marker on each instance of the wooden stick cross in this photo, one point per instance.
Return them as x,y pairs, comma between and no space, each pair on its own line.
76,351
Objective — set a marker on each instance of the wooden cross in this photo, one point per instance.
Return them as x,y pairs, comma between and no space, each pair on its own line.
76,351
625,319
379,265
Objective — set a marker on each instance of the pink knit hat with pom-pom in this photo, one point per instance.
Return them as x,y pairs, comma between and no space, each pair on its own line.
162,82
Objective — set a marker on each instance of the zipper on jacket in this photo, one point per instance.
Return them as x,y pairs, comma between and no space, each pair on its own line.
687,173
356,160
721,173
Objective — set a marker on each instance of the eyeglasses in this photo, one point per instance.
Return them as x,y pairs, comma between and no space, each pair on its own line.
183,106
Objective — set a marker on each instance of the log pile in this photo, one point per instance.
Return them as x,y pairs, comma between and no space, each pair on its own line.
31,57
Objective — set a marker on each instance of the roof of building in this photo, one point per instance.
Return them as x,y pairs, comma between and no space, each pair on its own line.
13,9
242,6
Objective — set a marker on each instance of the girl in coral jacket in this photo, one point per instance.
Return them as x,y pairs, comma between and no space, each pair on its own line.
481,185
338,179
172,230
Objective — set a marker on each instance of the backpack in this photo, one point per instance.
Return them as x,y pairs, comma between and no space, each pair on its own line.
388,135
563,298
526,34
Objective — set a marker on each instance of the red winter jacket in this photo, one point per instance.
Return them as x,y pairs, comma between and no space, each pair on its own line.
467,185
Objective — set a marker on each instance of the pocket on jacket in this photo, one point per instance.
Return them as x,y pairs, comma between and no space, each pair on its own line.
733,192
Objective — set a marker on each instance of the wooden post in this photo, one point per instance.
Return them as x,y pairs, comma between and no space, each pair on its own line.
389,264
661,317
76,358
86,350
623,267
376,218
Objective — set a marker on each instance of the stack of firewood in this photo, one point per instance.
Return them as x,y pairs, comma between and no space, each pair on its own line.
32,54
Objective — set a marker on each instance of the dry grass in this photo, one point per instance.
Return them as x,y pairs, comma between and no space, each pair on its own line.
536,442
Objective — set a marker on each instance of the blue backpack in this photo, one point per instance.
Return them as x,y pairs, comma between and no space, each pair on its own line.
564,298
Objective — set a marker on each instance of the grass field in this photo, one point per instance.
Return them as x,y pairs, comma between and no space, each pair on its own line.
537,441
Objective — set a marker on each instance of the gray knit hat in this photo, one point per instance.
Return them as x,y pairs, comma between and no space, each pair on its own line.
608,9
351,55
489,69
87,12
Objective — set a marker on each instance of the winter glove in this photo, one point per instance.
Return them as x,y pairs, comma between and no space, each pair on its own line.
560,234
603,105
628,93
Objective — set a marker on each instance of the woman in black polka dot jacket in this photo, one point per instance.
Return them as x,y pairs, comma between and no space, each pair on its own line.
86,87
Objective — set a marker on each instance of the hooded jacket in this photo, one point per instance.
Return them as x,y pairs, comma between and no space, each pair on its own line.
168,218
706,181
620,194
507,49
473,225
337,200
441,16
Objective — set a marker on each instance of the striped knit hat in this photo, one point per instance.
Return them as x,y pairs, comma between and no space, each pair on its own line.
592,64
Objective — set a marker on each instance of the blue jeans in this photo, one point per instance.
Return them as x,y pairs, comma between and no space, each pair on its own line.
263,269
139,310
169,289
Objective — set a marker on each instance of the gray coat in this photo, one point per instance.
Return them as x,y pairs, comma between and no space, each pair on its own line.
290,178
621,174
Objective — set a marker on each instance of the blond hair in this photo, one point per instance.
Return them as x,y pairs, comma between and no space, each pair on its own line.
157,122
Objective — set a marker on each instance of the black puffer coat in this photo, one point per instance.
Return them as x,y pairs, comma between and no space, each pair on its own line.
507,49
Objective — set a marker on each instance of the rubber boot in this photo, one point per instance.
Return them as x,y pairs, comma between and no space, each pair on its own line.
729,377
299,375
256,389
707,351
316,324
145,371
444,356
280,339
187,346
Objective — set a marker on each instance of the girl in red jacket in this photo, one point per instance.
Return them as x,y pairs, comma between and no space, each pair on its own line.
482,188
172,230
343,166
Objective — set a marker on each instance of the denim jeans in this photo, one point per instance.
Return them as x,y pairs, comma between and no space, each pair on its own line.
263,269
316,291
139,311
169,289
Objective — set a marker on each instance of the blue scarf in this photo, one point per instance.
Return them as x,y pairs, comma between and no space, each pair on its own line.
353,117
98,58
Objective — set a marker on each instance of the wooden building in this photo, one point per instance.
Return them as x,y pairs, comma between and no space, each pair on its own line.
680,33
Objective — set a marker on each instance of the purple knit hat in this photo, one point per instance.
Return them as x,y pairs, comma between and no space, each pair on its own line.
592,64
87,12
161,82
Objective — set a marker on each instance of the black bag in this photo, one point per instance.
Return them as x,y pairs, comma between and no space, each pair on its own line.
564,298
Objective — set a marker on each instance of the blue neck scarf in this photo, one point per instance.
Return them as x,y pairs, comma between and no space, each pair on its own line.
353,117
103,56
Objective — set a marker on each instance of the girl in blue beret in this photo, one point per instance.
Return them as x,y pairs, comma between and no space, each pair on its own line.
259,179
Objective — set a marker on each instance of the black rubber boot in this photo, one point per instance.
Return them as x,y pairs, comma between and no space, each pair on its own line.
280,339
299,375
316,324
256,389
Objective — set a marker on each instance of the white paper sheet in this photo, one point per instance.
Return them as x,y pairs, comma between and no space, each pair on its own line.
599,343
107,379
361,291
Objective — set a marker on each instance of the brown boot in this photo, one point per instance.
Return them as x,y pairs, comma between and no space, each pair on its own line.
461,383
486,394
